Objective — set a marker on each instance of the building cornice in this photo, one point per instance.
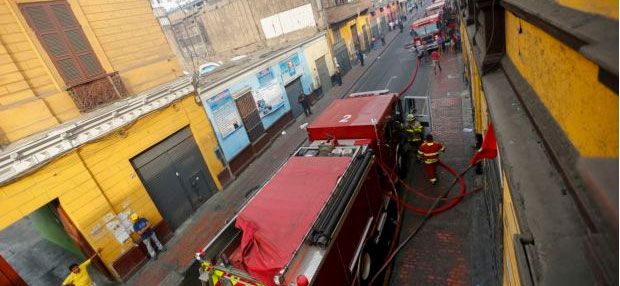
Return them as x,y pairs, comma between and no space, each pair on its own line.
27,155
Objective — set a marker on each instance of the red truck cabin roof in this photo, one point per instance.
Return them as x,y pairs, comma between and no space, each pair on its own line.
351,118
437,5
425,21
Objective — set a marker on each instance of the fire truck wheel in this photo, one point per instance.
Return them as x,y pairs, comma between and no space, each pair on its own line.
365,266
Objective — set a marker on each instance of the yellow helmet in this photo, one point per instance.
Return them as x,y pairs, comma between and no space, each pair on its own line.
410,117
134,217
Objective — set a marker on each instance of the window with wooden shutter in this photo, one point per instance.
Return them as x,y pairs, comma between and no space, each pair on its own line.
62,37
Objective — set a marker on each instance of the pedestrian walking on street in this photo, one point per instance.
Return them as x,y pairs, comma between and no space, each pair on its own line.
419,50
142,226
453,44
79,274
360,56
429,154
440,42
303,100
436,57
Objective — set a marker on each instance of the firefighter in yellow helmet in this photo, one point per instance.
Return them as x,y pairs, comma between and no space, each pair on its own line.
413,132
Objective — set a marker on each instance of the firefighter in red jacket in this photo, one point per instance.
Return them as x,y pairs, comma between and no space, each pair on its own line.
429,154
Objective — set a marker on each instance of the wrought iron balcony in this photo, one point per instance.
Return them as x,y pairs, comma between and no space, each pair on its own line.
99,91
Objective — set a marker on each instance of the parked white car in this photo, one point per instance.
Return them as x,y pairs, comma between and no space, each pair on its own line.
207,68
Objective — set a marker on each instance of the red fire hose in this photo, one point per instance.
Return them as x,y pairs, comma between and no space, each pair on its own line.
411,79
453,200
434,209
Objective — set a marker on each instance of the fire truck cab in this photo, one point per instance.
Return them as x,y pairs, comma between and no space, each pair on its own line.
425,32
436,8
326,214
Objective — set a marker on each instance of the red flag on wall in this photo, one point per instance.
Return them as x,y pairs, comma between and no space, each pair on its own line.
489,147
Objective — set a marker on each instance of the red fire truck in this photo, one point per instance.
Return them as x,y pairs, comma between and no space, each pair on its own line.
325,217
436,8
425,32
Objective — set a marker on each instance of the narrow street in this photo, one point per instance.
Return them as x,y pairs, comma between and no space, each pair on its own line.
451,249
147,143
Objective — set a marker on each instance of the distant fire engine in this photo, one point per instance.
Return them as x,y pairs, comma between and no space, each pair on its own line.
425,32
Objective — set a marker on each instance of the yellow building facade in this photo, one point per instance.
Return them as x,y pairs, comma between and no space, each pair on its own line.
90,172
547,97
347,33
313,52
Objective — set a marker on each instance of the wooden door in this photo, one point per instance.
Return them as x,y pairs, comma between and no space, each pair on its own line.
79,239
8,276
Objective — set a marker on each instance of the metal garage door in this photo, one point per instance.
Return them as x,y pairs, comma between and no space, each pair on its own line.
366,46
175,176
324,77
375,30
342,57
293,90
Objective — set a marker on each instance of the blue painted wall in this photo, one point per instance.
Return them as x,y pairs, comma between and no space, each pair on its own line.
232,144
235,142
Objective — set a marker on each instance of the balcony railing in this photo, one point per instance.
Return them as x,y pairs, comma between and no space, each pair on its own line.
88,96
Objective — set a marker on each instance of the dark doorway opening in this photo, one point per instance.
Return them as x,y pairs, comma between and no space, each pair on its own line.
356,39
324,76
40,247
293,89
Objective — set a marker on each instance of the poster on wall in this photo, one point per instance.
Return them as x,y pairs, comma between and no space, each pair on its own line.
225,113
289,67
268,99
265,77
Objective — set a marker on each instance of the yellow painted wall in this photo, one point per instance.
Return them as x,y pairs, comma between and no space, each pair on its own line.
98,178
510,275
24,82
315,50
125,36
477,93
131,39
347,36
68,180
567,84
608,8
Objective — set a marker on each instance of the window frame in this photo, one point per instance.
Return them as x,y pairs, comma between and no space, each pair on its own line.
73,53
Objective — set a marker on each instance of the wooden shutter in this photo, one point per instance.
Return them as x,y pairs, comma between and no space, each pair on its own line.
63,39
